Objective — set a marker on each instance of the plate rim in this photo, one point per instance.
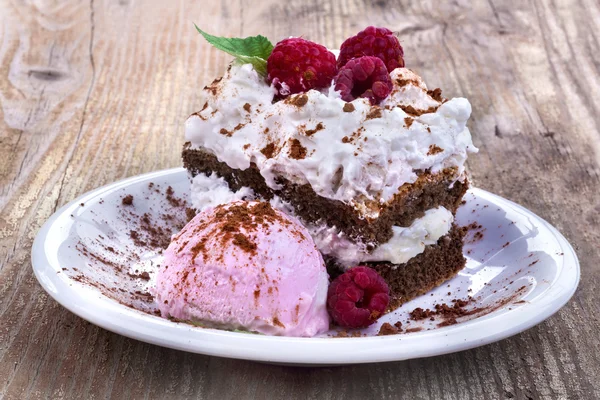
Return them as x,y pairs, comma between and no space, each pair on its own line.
307,351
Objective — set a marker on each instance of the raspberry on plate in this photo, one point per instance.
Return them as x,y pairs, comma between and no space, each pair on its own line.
364,77
377,42
297,65
357,298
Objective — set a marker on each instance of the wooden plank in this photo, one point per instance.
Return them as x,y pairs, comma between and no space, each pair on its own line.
91,92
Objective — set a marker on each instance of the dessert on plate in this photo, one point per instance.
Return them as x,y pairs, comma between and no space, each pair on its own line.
353,146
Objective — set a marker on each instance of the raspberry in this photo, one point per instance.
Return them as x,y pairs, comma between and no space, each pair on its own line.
378,42
357,298
364,77
297,65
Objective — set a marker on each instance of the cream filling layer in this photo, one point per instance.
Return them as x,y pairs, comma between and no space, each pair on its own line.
406,242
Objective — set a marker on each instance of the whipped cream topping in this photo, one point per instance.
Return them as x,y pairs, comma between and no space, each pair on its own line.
352,152
406,242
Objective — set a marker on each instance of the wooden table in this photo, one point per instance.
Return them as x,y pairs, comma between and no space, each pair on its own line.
95,91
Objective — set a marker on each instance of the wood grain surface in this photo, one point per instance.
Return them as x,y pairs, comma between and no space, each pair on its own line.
97,90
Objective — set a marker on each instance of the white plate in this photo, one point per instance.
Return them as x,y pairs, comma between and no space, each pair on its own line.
520,271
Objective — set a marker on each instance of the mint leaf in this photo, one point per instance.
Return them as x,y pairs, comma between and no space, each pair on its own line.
259,64
253,50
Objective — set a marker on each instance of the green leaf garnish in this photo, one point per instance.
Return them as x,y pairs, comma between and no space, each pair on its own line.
251,50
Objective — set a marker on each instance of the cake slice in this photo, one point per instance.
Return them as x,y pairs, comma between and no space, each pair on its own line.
376,181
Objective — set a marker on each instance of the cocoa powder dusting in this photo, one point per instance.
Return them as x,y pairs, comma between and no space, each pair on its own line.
404,82
408,121
148,231
268,150
436,94
434,149
256,297
156,235
174,201
241,241
237,222
310,132
277,322
414,112
136,238
297,151
374,113
214,86
190,213
197,249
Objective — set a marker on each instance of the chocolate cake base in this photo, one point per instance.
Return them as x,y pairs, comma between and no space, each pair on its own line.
437,264
411,201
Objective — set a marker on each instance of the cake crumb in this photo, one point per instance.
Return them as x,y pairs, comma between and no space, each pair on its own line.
418,314
449,313
388,329
127,200
348,107
408,121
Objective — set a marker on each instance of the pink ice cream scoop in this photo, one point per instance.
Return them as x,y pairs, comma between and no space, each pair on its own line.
244,265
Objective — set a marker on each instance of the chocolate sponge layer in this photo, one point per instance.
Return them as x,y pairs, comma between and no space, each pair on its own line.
410,203
437,264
